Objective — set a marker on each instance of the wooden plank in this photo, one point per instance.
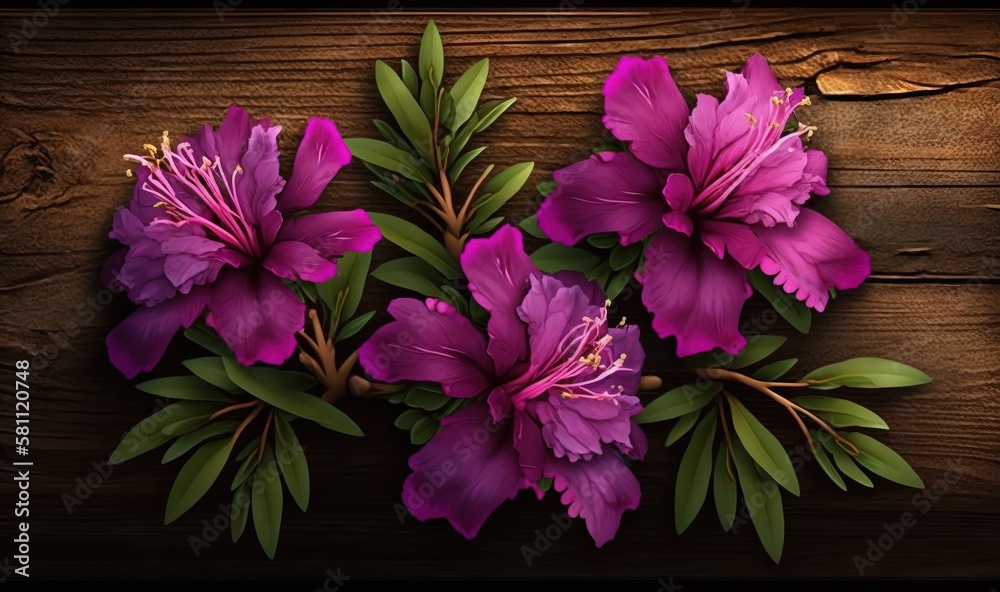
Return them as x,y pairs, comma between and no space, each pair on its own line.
906,113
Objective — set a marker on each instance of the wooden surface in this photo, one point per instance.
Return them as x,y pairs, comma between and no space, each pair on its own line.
908,118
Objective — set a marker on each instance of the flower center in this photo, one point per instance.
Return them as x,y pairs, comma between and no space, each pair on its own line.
576,366
209,196
764,141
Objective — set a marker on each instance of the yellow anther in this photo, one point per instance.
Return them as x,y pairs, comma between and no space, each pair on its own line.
128,172
607,302
621,323
788,92
804,101
239,169
751,118
775,101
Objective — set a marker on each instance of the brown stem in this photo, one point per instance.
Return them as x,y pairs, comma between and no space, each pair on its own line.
764,387
259,406
729,439
263,436
232,408
323,364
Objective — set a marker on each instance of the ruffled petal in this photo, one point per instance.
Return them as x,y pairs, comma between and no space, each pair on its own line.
598,490
256,314
812,257
320,155
498,272
464,472
293,260
332,233
643,106
429,341
138,343
608,192
693,295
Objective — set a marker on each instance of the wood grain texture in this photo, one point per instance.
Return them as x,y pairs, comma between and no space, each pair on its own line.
908,118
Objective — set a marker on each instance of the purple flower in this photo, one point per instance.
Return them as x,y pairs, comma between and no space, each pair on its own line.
720,187
552,387
211,227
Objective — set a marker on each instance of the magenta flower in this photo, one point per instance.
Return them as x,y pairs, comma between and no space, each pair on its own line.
211,227
553,385
720,187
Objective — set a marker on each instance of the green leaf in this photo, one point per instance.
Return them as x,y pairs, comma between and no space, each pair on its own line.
251,446
490,112
211,370
431,61
411,238
500,189
455,298
408,418
184,426
545,483
467,90
240,510
392,136
266,384
530,226
426,398
844,461
351,328
604,240
300,381
841,413
189,440
196,477
868,373
462,162
624,256
757,349
356,271
250,463
411,273
795,312
775,370
489,225
188,388
683,426
267,504
724,489
824,462
677,402
546,187
695,472
428,99
462,137
618,283
208,339
410,78
447,114
147,434
883,461
763,501
555,257
411,119
761,444
385,155
423,430
292,460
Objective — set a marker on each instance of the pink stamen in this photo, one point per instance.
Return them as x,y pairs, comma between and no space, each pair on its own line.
577,356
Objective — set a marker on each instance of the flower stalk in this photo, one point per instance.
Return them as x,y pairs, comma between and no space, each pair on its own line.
322,360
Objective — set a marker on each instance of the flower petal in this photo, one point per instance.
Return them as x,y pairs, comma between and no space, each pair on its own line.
429,341
321,154
531,451
293,260
332,233
608,192
464,472
256,314
812,257
260,182
598,490
232,137
551,310
498,272
643,106
138,343
693,294
577,427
